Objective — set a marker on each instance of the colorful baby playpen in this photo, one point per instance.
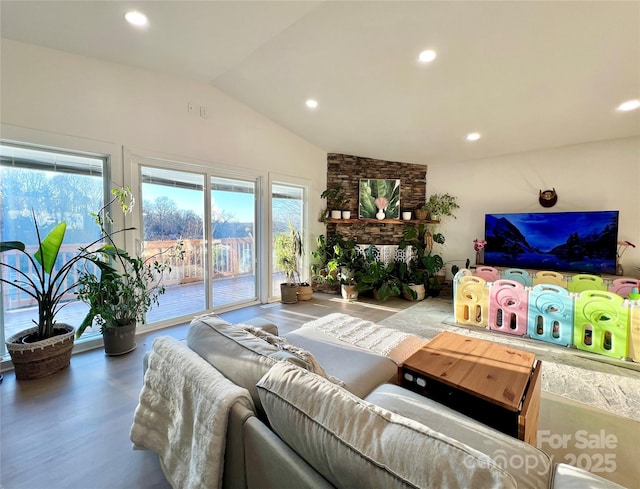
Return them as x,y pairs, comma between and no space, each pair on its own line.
583,311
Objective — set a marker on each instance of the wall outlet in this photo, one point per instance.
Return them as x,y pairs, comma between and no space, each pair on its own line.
203,112
190,107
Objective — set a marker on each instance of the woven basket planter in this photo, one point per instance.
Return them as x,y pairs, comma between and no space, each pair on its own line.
421,214
41,358
305,292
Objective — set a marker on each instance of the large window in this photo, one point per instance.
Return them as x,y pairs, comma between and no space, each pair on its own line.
54,186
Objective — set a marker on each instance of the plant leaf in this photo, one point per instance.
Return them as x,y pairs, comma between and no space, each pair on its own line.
50,246
11,245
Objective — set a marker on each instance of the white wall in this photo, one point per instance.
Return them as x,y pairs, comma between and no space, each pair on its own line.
61,95
588,177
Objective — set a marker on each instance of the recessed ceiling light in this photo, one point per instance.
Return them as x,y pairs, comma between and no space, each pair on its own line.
427,56
474,136
312,104
629,105
136,18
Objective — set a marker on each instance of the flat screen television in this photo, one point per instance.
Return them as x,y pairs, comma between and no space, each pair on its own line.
583,242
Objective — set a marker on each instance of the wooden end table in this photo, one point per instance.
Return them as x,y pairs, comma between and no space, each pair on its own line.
494,384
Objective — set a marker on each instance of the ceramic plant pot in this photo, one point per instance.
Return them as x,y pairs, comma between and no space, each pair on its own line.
119,340
349,292
288,293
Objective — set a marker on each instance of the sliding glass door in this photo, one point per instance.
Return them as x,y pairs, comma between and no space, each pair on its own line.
233,228
173,208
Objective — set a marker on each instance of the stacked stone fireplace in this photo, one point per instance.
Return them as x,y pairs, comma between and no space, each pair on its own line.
347,171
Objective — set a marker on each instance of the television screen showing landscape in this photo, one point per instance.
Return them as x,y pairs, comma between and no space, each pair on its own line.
564,241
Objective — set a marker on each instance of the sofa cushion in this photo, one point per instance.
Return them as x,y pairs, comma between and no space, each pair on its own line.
570,477
530,466
353,443
305,356
360,370
237,354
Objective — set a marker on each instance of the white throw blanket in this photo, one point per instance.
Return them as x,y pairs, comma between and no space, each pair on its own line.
389,342
182,414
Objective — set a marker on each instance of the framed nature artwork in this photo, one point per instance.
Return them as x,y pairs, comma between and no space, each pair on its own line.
379,198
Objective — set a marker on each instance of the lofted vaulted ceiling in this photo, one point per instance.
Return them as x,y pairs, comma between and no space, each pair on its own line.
525,75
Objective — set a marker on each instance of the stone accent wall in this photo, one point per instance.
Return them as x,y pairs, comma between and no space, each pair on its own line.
348,170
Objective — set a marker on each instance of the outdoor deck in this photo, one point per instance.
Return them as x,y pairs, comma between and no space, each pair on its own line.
178,300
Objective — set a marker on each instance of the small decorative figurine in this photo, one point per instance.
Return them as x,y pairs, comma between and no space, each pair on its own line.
548,198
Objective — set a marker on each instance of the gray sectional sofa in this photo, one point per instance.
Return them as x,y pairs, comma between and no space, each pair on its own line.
307,429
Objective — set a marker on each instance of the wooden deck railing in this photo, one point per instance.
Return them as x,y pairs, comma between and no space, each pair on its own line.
231,257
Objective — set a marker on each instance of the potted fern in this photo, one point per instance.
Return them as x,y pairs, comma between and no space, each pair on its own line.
46,348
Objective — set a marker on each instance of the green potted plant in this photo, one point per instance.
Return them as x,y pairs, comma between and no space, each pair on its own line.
337,203
412,280
440,206
323,275
46,348
420,239
349,263
432,264
122,295
288,254
423,260
378,277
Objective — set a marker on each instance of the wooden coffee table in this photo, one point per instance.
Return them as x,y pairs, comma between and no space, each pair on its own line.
494,384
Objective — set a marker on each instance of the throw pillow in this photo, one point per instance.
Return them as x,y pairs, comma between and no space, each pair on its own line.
364,445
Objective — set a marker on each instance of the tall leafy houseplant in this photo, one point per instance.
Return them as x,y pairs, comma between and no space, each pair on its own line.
424,261
288,254
47,284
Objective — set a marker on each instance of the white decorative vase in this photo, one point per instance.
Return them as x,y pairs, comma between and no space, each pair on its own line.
336,214
380,214
406,216
349,292
346,214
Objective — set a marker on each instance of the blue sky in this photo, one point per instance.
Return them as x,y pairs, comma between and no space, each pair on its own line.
239,205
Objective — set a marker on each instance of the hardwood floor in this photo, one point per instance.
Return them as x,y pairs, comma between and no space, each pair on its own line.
71,430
